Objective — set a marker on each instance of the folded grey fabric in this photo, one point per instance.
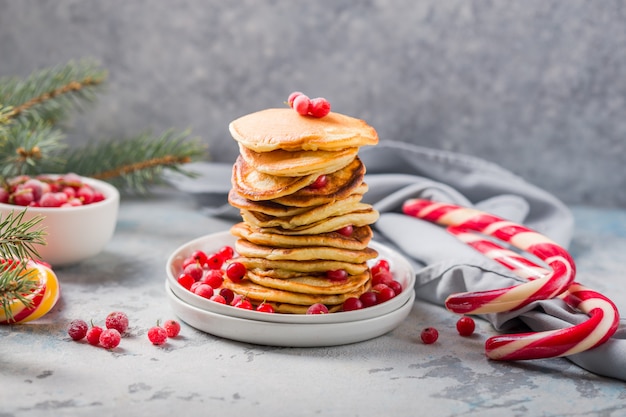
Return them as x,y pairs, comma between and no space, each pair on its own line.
444,265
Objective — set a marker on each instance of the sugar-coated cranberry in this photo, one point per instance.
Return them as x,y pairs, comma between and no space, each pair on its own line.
117,320
110,338
292,97
172,328
213,277
218,298
301,104
157,335
204,290
317,308
194,270
77,329
319,107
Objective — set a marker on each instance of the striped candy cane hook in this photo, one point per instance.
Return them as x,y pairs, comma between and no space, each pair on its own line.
555,282
603,314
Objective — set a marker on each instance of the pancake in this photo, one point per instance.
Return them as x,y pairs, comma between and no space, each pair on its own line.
311,284
359,239
314,215
260,293
250,250
361,217
283,128
298,163
314,266
255,185
268,207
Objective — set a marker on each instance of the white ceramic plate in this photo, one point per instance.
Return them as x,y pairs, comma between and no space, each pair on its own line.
288,334
401,268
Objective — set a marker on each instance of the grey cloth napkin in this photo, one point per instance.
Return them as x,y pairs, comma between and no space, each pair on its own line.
398,171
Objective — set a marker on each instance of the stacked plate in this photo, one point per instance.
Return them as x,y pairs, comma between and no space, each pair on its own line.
289,330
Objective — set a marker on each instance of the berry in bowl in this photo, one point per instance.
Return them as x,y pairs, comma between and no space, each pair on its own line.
78,214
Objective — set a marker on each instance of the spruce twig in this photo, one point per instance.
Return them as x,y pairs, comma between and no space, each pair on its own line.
17,244
136,163
50,93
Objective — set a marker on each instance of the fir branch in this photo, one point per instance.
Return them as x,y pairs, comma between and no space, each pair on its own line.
16,283
17,237
50,93
30,147
135,163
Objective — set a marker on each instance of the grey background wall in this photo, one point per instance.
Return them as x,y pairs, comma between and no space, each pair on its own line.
537,86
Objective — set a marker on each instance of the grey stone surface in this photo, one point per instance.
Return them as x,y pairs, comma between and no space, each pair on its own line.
536,86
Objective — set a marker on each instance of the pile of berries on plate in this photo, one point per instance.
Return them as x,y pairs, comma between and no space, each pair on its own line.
203,274
67,190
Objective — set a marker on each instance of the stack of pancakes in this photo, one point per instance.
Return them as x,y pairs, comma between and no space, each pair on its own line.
294,231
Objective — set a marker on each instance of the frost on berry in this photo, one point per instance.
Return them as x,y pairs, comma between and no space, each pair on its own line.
77,329
157,335
110,338
117,320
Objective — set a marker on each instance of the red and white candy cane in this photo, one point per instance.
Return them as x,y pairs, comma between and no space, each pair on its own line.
555,282
603,314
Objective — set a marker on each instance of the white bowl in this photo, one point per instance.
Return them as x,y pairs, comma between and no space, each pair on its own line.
73,234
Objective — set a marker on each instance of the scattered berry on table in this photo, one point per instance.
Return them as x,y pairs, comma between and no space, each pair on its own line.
157,335
93,335
465,326
77,329
110,338
429,335
172,328
117,320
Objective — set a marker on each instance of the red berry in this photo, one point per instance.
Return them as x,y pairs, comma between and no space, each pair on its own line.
93,335
218,299
186,281
319,107
194,270
214,261
85,194
383,293
352,303
465,326
117,320
292,97
110,338
172,328
395,286
337,275
198,256
245,304
368,298
228,295
213,277
265,308
320,182
204,290
236,271
382,277
301,104
226,253
346,230
429,335
380,265
317,308
77,329
157,335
